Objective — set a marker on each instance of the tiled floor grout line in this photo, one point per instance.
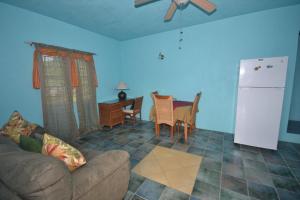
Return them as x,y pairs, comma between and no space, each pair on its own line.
140,197
135,193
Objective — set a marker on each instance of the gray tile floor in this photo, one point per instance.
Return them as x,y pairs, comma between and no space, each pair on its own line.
228,171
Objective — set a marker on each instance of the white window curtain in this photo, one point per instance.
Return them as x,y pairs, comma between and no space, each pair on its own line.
86,97
56,90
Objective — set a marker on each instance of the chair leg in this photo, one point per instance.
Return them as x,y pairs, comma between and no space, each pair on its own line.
172,132
193,126
157,129
185,132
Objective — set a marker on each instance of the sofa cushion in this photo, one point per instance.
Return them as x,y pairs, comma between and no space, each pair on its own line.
59,149
30,144
98,168
34,176
5,140
7,145
14,135
5,193
38,133
17,125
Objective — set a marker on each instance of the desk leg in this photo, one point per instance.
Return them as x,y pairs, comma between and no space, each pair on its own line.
185,131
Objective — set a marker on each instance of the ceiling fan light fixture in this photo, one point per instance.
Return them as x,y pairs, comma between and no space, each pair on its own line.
181,2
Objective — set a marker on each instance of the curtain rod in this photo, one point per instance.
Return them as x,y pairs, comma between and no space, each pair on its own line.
57,47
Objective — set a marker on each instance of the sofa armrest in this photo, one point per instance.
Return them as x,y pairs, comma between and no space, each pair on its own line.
35,176
100,166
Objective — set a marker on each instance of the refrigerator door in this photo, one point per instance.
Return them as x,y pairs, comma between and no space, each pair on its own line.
258,116
264,72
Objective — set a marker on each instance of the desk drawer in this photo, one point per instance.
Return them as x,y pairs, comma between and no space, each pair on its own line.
116,116
111,112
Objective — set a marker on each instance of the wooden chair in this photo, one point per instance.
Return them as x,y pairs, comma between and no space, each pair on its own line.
194,111
192,122
153,94
152,97
164,113
137,109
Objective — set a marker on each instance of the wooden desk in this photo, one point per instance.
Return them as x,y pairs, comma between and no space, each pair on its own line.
110,112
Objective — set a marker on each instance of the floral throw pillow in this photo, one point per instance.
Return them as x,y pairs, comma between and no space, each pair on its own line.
17,126
57,148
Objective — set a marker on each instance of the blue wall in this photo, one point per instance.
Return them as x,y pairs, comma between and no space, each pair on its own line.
295,105
18,25
209,63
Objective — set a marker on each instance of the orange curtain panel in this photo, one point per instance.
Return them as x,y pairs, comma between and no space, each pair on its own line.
36,83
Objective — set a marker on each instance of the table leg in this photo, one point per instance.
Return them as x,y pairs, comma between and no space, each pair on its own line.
158,128
185,131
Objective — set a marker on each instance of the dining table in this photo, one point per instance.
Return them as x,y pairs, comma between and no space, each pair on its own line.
182,112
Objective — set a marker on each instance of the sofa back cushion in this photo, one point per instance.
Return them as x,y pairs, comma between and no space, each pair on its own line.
17,126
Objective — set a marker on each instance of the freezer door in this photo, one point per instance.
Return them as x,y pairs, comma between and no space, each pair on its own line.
258,116
265,72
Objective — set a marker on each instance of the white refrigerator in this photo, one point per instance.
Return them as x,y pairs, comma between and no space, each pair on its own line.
259,103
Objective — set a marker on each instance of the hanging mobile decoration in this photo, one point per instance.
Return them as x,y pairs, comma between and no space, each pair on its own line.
180,40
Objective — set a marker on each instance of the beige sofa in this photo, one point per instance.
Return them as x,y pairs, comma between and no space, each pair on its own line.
26,175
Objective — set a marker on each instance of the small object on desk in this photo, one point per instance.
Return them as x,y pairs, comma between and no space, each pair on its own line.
122,86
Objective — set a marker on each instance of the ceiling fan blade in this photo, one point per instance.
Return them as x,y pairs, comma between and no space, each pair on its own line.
138,3
205,5
171,11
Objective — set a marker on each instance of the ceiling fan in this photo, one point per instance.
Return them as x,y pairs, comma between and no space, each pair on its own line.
180,4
